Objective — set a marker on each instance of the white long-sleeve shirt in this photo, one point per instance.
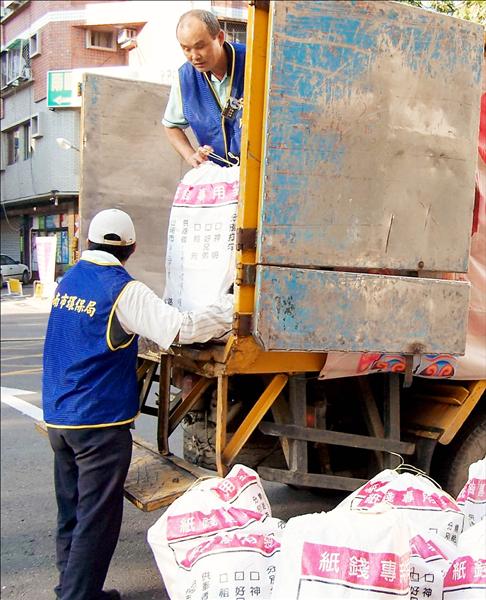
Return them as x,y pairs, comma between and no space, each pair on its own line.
139,310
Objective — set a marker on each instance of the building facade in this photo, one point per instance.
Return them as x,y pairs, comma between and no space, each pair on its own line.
46,46
39,179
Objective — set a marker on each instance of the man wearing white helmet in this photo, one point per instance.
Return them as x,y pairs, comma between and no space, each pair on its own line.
90,394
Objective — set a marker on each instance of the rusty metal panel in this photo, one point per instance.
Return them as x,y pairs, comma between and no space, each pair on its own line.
128,163
320,311
371,132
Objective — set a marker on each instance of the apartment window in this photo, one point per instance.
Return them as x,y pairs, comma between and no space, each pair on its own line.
235,31
14,56
101,40
35,131
13,146
4,69
16,63
18,143
26,141
34,44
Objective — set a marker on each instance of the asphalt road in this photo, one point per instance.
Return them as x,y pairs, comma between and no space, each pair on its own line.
27,499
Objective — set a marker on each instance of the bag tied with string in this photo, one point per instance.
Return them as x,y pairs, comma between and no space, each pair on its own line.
428,508
219,540
466,577
200,258
345,555
431,557
472,498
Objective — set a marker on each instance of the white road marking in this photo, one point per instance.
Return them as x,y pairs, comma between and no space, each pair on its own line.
22,356
9,396
30,371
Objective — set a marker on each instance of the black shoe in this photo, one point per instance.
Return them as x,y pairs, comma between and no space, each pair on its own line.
110,595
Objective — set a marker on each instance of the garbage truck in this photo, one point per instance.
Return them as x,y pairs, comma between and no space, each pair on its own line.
358,339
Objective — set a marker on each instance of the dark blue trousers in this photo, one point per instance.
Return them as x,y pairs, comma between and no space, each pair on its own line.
90,467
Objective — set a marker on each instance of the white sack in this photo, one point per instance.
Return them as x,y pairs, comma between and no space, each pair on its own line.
344,555
473,541
430,559
466,579
472,498
200,260
428,507
466,576
218,540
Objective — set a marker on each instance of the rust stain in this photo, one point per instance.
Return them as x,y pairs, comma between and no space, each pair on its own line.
415,348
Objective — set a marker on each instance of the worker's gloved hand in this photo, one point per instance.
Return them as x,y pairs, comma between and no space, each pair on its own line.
200,156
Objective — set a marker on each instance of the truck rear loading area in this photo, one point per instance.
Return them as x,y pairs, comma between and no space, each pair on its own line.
357,187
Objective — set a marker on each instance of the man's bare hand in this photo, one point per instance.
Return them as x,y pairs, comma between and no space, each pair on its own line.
200,156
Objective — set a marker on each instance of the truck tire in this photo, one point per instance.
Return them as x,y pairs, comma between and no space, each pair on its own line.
454,459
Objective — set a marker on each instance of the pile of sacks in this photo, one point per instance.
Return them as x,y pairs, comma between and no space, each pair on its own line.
397,536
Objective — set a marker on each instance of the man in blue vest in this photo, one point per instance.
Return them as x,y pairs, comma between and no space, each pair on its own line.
208,96
90,394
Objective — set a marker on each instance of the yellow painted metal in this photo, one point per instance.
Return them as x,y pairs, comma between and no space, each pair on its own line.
144,368
438,413
221,418
38,289
251,144
188,402
242,355
241,435
447,394
456,415
72,236
14,286
247,357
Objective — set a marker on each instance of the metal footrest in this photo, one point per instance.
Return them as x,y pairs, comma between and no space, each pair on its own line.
154,480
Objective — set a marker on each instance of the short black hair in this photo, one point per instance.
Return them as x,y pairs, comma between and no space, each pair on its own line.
205,17
122,253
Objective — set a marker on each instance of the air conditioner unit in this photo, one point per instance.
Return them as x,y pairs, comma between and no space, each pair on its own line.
10,7
26,73
126,36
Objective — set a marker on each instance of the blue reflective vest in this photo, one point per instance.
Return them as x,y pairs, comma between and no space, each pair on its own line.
202,108
89,375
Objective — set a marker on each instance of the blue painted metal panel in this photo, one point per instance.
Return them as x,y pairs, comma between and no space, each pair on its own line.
371,136
311,310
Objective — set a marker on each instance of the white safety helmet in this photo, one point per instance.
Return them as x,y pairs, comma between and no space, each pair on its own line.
112,222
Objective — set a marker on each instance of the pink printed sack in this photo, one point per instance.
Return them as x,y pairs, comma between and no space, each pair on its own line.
428,508
218,540
430,559
200,259
466,579
472,498
344,555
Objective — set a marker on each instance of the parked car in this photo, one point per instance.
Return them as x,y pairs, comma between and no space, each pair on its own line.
13,268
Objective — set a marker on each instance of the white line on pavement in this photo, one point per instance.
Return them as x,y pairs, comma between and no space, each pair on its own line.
9,396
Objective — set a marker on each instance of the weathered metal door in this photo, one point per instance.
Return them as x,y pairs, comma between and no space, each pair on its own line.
370,153
128,163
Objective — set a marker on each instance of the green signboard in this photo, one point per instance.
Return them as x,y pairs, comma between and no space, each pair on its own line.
62,89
